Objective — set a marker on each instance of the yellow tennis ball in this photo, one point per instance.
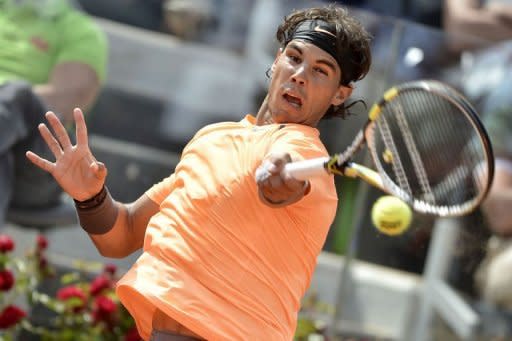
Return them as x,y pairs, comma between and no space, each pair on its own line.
391,215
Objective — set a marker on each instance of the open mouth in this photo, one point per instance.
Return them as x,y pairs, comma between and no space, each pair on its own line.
293,100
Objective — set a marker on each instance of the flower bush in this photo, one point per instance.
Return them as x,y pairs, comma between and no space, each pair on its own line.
311,324
86,309
82,309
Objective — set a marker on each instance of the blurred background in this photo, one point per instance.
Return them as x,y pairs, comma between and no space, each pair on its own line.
177,65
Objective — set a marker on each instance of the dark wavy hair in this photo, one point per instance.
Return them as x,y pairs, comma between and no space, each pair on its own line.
353,42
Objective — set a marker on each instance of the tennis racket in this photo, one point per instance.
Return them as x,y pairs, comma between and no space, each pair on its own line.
428,147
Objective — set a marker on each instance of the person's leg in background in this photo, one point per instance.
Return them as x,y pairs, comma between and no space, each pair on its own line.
20,113
6,178
12,130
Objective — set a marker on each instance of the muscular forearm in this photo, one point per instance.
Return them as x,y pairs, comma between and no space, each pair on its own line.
118,229
122,239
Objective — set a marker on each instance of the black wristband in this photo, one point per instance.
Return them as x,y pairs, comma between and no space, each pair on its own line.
95,201
98,214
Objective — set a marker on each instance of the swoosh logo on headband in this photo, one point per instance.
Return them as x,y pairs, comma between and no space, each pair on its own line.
319,29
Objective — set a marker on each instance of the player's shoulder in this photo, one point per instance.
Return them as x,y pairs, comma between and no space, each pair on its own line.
298,134
217,127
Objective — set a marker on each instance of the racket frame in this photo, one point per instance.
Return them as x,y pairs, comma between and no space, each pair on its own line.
341,164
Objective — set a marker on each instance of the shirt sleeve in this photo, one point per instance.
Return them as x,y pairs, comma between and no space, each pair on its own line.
83,41
161,190
301,143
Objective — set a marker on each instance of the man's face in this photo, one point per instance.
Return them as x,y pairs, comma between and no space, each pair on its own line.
305,83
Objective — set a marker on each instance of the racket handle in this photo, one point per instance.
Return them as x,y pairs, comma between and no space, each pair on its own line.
306,169
300,170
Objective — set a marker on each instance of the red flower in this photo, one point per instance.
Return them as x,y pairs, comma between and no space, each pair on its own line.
72,292
6,280
6,243
10,316
99,284
110,269
132,335
42,242
104,309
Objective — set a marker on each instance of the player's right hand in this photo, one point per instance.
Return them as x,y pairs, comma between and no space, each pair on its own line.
275,188
75,169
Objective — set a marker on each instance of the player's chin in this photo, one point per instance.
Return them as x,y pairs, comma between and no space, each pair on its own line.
287,116
292,107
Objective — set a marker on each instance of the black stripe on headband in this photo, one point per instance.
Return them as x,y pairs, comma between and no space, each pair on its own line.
320,34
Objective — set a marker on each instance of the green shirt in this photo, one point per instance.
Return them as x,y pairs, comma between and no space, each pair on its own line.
33,44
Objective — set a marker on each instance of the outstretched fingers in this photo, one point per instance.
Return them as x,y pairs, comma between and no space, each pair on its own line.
50,140
60,132
40,162
81,128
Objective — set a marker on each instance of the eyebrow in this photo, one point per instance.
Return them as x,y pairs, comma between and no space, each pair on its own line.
326,62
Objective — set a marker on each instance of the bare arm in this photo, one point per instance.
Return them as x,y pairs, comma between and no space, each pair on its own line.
127,234
497,206
465,17
71,85
119,229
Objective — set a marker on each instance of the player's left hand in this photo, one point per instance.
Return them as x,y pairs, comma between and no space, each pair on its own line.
275,188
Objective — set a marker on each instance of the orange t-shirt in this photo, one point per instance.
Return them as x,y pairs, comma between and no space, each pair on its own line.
216,259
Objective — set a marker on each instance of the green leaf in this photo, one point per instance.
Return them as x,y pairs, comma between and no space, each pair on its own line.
49,302
4,258
305,327
70,278
73,302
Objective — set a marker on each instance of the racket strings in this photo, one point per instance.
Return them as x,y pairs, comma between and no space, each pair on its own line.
431,136
397,165
448,139
448,185
461,183
410,144
435,151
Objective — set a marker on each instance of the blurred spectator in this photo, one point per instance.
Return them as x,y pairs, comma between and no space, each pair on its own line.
53,58
474,25
494,277
146,14
188,19
221,23
426,12
489,20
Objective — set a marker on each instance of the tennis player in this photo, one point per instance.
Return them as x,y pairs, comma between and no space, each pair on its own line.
225,257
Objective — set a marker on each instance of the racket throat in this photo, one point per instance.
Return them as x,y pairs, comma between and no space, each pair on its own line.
353,170
334,166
